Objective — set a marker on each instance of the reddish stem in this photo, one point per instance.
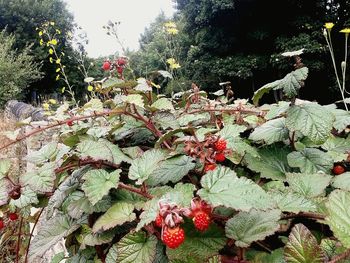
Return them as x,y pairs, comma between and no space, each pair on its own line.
19,240
304,214
31,235
342,256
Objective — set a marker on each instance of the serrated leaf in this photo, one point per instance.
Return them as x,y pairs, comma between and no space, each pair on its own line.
163,104
160,255
271,131
342,119
333,248
50,152
141,168
93,105
98,183
102,150
136,99
292,202
182,194
41,180
198,246
193,119
76,204
136,247
247,227
337,147
166,120
230,131
302,247
118,214
310,160
277,109
271,162
142,85
342,181
112,254
58,258
5,166
264,89
223,187
308,185
111,82
293,81
171,170
28,196
149,214
50,234
338,215
276,256
312,120
94,239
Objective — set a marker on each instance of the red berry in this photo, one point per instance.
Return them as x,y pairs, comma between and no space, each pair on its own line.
173,237
70,123
120,70
220,145
106,65
2,224
338,169
121,61
201,221
13,216
159,221
209,167
220,157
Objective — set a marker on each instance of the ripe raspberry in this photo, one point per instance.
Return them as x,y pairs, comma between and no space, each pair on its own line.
159,221
220,145
220,157
201,221
173,237
70,123
209,167
338,169
120,70
13,216
121,61
106,65
2,224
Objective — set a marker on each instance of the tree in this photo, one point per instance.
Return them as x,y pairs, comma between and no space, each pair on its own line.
17,69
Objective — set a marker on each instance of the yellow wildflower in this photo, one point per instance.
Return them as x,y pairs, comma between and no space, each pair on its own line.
90,88
40,33
170,24
172,31
58,69
51,60
170,61
329,25
345,30
53,42
52,23
58,61
175,66
46,106
51,51
41,42
52,101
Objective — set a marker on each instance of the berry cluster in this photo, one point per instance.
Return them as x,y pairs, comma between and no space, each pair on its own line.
212,150
171,216
119,64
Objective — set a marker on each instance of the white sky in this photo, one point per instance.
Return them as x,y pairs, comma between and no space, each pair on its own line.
134,16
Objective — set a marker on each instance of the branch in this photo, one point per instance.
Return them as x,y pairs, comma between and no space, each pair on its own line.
31,235
233,110
135,190
18,246
342,256
304,214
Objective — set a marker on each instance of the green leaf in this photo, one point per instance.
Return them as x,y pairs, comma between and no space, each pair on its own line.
338,215
271,131
41,180
112,254
50,152
171,170
98,183
276,256
58,258
163,104
198,246
293,81
310,160
308,185
28,196
247,227
149,214
302,247
333,248
312,120
193,119
5,166
337,147
342,181
118,214
292,202
136,99
223,187
264,89
93,239
50,234
277,109
342,119
271,162
102,150
141,168
166,119
230,131
182,194
136,247
109,83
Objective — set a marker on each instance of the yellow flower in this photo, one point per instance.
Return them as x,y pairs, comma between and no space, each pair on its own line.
170,61
58,69
41,42
90,88
46,106
345,30
52,101
58,31
52,23
51,60
329,25
53,42
172,31
63,89
175,66
51,51
58,77
40,33
170,24
58,61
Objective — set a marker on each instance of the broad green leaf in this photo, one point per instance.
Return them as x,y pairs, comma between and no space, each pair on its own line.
166,119
163,104
292,202
302,247
102,150
223,187
202,132
141,168
171,170
111,82
149,214
342,181
312,120
342,119
93,105
264,89
198,246
276,256
98,183
50,234
333,248
308,185
28,196
230,131
270,132
277,109
5,166
247,227
76,204
133,152
58,258
193,119
112,254
160,257
182,194
41,180
93,239
5,187
136,247
338,215
271,163
293,81
142,85
310,160
118,214
136,99
240,148
50,152
337,147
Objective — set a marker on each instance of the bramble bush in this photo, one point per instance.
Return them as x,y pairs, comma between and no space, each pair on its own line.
139,177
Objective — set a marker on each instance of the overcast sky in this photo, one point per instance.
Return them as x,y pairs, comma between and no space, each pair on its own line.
134,16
